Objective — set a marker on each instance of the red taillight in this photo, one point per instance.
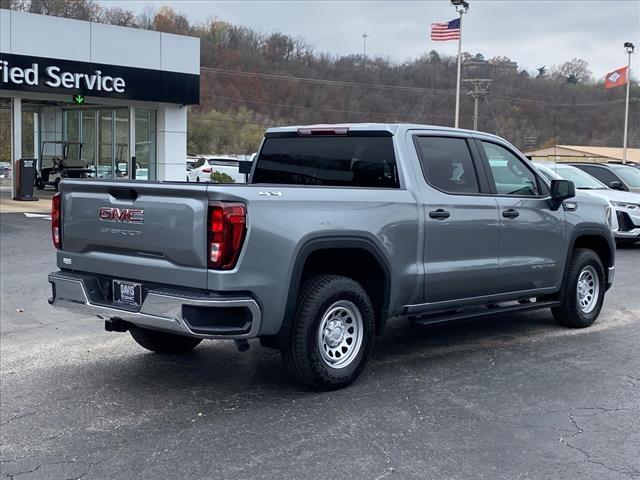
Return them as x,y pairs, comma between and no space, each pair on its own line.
227,227
56,232
206,170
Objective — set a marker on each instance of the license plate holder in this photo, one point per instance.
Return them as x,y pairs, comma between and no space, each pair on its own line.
127,293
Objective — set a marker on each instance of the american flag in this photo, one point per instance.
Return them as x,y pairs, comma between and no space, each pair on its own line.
441,32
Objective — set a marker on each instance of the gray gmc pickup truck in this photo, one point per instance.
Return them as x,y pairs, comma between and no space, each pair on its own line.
340,228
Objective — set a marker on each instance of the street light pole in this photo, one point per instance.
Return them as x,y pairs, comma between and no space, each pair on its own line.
630,48
364,50
461,7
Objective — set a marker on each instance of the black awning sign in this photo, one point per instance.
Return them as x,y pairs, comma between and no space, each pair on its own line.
49,75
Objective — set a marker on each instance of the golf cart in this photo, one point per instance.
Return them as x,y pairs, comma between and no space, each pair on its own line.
58,160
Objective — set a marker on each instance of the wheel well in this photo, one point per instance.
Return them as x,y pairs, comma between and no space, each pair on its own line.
356,263
599,245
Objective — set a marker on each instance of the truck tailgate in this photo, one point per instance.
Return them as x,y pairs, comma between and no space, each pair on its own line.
147,231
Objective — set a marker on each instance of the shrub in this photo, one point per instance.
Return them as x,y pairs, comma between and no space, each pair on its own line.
219,177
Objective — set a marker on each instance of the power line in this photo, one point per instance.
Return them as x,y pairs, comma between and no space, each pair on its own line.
404,88
327,110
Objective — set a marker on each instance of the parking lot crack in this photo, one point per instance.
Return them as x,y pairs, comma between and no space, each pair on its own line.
18,417
389,466
587,456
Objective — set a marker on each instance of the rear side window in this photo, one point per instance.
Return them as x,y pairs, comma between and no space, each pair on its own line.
447,164
602,174
328,161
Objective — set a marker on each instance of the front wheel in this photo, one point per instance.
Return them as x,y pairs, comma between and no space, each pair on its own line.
162,342
583,292
332,333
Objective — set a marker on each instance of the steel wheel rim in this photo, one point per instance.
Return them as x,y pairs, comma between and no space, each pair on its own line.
588,289
340,334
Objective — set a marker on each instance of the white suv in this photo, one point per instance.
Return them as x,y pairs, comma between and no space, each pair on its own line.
625,221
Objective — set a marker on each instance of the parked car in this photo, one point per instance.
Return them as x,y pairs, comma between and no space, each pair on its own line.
341,228
625,222
628,163
205,166
613,175
5,170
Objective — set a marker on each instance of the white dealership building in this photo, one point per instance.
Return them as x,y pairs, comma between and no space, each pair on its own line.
122,93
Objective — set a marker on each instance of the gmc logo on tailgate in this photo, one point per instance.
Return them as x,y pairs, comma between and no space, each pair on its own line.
125,215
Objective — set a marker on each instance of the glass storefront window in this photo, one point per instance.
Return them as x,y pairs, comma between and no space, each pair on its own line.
88,137
145,151
106,134
105,144
121,151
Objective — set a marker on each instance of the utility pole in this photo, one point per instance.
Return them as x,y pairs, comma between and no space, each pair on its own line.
364,50
480,90
630,48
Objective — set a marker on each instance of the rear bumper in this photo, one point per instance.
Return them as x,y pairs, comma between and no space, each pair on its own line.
184,313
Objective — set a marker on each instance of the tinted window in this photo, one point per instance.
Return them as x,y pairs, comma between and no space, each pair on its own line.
328,160
447,164
199,163
602,174
630,175
510,174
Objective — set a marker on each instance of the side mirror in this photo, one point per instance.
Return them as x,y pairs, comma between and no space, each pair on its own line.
561,190
616,185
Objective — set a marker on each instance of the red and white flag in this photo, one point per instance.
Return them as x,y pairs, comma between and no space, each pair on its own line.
616,78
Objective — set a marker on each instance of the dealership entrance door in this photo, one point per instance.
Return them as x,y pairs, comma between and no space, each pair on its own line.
113,139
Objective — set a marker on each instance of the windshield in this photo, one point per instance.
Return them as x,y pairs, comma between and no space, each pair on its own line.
630,175
579,178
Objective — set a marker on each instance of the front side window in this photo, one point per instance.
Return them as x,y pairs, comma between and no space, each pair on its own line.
631,175
510,174
447,164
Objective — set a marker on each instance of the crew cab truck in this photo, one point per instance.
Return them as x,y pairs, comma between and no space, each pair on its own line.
340,228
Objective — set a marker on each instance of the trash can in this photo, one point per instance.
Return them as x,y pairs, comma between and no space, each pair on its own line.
25,178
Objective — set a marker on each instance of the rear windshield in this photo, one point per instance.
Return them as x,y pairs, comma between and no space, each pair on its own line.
328,160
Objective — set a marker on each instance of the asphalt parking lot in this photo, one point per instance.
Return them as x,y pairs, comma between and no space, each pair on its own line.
511,397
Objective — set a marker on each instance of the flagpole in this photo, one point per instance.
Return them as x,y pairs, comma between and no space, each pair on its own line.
461,7
457,119
630,48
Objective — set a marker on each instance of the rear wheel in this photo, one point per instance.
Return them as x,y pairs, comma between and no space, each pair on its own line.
583,292
162,342
332,334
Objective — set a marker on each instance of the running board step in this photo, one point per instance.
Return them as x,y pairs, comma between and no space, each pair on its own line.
484,312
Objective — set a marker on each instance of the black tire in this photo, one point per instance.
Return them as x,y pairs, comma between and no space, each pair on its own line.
570,313
161,342
39,184
302,357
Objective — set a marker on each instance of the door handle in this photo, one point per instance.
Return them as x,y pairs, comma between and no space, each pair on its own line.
439,214
510,213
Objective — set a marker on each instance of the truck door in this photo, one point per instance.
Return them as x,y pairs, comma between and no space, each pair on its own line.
532,244
461,218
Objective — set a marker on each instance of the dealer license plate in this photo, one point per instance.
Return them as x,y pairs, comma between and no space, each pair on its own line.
128,293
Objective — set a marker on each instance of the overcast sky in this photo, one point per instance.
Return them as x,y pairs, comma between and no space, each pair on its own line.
530,32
